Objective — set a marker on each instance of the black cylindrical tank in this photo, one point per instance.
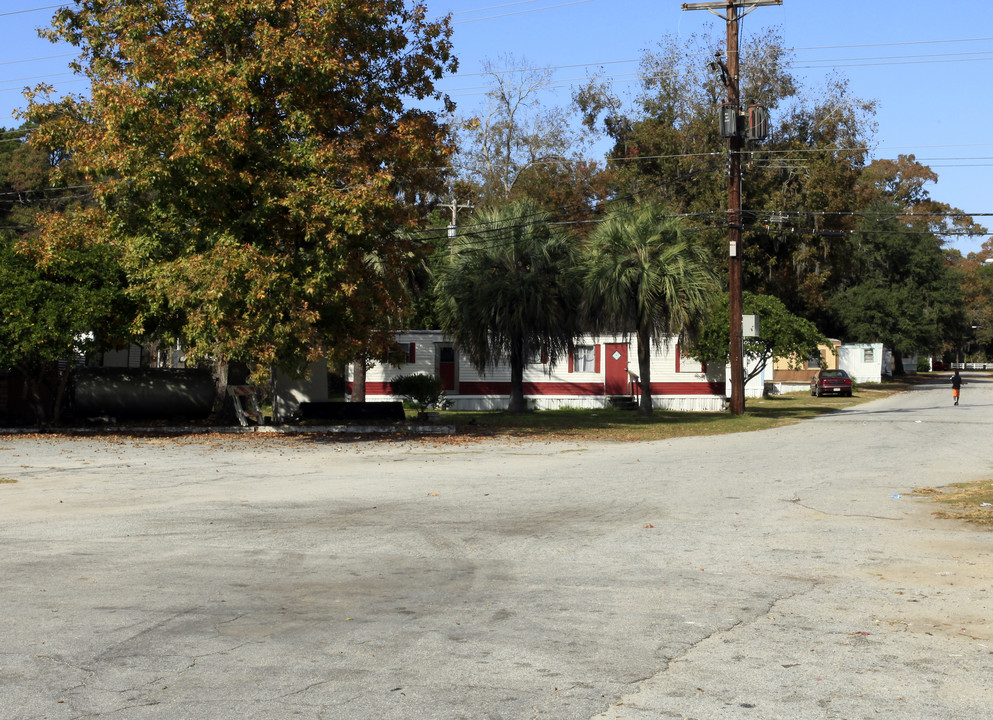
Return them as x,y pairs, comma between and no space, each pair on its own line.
142,393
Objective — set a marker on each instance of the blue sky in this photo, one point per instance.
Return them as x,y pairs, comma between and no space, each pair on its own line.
927,63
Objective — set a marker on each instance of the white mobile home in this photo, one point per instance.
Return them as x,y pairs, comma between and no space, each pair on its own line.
596,371
863,361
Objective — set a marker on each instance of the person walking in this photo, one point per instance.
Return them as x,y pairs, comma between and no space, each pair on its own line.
956,386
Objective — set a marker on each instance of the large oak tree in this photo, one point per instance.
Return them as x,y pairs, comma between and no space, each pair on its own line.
251,160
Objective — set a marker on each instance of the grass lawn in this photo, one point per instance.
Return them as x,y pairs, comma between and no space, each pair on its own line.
626,425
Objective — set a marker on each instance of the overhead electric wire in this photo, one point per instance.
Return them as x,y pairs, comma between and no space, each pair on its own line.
34,9
491,7
708,54
636,76
62,83
36,77
895,44
37,59
829,64
522,12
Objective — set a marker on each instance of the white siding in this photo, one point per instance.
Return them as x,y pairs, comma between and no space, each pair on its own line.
853,360
663,371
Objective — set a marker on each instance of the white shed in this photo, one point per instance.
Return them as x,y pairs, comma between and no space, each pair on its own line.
863,361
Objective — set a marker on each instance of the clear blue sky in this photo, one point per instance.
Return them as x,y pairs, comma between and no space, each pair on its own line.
927,63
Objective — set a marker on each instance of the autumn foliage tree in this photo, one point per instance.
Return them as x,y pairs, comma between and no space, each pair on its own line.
976,279
251,160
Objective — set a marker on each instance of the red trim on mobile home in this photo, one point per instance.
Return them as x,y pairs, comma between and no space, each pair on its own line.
531,388
687,388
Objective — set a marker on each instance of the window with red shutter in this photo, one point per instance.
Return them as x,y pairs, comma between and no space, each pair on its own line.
585,359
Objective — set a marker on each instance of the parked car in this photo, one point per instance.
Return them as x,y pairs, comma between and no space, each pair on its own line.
831,382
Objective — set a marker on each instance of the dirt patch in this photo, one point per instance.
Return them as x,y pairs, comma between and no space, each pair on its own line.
972,502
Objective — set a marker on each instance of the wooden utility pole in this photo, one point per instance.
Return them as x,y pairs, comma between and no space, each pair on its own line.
735,249
454,206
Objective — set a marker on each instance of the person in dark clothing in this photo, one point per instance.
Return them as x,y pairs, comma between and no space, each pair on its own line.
956,386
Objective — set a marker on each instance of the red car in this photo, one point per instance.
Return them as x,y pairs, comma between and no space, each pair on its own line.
831,382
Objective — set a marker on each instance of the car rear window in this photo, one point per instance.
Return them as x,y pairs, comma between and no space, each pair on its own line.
833,373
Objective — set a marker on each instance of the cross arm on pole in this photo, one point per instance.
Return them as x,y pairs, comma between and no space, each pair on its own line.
724,4
746,5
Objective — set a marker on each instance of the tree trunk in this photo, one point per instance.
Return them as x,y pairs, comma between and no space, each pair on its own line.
358,380
220,389
33,383
517,403
898,363
645,372
60,394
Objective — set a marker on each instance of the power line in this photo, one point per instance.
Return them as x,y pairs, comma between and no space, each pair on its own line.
907,59
522,12
37,77
878,64
38,59
20,88
708,54
28,10
894,44
491,7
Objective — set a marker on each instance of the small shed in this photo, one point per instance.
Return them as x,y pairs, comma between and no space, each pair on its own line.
863,361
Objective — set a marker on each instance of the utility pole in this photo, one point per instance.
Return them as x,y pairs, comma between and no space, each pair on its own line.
735,249
454,206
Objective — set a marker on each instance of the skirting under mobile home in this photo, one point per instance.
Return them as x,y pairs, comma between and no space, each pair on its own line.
597,371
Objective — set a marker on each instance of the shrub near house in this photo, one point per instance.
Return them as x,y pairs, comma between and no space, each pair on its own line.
425,391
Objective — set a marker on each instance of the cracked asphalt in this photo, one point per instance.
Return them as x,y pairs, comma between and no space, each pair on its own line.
779,574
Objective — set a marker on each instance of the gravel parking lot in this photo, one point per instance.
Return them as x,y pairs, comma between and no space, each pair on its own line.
778,574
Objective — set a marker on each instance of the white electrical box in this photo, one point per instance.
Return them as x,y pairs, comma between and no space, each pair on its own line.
750,326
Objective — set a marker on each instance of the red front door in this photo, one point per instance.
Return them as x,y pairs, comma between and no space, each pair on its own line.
616,376
446,367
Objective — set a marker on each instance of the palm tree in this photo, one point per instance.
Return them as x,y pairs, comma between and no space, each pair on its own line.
643,276
509,289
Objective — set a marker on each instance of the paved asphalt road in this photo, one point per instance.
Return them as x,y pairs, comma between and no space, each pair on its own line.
782,574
